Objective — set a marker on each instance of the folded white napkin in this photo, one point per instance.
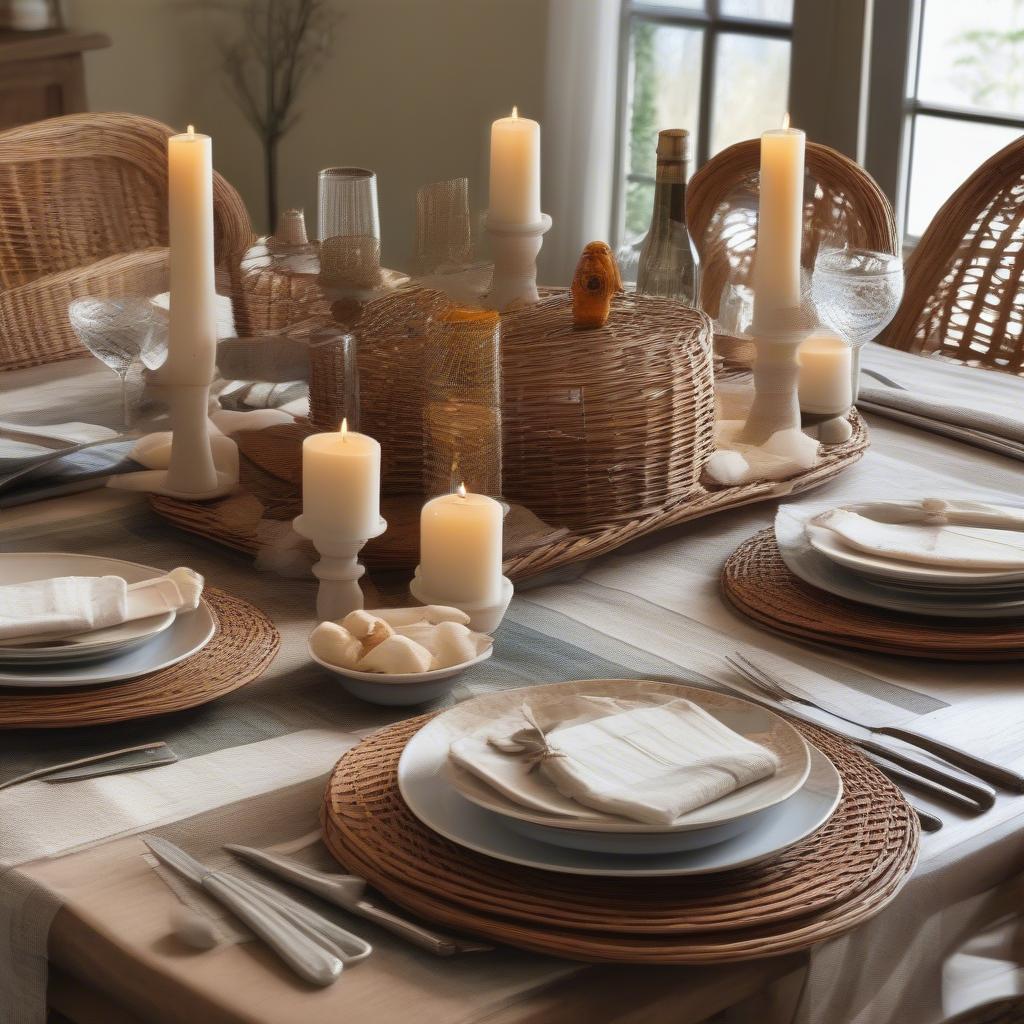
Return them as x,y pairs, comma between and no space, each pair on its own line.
69,605
649,761
953,534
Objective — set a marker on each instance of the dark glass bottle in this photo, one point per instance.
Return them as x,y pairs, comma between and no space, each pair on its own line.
669,265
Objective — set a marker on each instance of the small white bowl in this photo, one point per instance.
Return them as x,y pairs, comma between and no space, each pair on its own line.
394,690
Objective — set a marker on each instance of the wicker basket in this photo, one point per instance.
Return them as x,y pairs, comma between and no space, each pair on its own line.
609,425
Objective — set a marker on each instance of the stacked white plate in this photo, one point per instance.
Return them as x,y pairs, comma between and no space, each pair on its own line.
108,655
819,557
751,824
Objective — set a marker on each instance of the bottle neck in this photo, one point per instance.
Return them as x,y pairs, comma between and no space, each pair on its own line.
669,193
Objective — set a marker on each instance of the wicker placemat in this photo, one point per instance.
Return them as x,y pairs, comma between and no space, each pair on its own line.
243,645
846,872
757,582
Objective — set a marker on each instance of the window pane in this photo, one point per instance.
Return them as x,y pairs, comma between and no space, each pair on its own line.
751,87
762,10
972,55
665,88
639,204
945,153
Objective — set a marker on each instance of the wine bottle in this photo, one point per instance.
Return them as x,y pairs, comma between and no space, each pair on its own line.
669,265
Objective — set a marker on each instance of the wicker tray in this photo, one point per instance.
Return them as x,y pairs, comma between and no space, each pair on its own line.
271,468
842,875
243,646
757,583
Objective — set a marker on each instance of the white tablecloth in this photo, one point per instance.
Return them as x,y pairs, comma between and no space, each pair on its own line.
659,600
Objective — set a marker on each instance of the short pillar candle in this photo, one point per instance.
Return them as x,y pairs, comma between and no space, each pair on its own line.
460,548
825,375
341,483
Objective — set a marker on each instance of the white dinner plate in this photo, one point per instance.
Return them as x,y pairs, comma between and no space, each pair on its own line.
815,568
893,571
421,780
606,832
183,637
100,643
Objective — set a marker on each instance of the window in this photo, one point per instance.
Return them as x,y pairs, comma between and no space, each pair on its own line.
966,97
719,68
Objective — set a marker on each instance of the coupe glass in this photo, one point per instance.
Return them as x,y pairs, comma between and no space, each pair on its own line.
121,333
856,292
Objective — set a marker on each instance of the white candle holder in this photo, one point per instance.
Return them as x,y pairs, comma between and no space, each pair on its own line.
776,403
338,570
514,248
191,474
483,617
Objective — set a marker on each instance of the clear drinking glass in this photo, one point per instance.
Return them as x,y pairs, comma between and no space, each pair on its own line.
349,227
121,333
856,292
348,203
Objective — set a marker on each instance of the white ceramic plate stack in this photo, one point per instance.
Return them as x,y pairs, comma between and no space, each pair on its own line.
819,557
109,655
749,825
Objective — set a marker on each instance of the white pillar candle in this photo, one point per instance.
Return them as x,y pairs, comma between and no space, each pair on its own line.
341,484
779,230
825,374
515,171
460,548
192,340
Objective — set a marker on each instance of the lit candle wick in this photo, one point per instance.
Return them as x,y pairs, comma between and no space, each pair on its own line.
785,121
191,131
461,490
515,113
344,429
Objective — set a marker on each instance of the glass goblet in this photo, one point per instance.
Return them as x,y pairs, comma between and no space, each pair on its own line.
120,333
856,292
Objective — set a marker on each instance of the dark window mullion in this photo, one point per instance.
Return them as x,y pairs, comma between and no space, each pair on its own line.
709,48
967,114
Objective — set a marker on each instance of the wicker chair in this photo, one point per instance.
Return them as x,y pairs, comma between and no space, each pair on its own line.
964,296
83,211
842,201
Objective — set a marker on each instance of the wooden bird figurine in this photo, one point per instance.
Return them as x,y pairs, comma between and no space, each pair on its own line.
594,284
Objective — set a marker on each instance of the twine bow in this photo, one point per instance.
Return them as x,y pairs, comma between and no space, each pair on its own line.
531,742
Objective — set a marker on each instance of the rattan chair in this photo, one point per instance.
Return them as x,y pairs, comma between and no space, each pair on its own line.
964,296
843,205
83,211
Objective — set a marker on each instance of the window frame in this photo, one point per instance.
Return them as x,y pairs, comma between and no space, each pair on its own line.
713,23
896,51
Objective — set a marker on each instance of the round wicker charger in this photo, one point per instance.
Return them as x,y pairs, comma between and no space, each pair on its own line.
757,583
244,644
843,874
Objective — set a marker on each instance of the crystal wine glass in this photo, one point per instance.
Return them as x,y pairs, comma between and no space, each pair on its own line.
120,333
856,292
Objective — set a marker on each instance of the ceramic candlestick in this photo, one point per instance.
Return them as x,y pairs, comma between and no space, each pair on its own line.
776,403
514,248
483,617
338,570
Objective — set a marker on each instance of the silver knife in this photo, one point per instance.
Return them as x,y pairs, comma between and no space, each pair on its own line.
146,755
346,891
305,956
981,796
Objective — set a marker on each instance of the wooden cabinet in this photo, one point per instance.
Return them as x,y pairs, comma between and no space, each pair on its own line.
42,74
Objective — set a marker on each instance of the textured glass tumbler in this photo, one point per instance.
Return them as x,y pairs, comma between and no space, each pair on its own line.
333,379
462,403
349,227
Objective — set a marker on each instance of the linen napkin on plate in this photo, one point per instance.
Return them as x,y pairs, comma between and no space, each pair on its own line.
649,761
69,605
952,534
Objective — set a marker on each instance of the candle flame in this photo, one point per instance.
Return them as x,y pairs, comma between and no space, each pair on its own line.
785,121
344,428
515,112
461,490
191,130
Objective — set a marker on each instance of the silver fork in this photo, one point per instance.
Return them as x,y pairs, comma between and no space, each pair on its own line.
970,763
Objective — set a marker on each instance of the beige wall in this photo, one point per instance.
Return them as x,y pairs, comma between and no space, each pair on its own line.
409,89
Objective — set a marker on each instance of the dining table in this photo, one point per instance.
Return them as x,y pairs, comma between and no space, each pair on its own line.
85,910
